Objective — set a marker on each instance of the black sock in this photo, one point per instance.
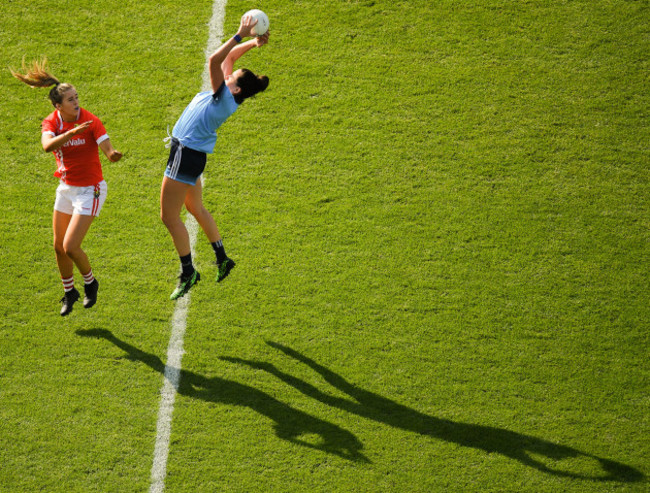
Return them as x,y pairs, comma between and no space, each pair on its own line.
186,264
220,251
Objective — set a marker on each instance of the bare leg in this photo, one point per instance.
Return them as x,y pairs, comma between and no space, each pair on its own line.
172,196
74,236
60,222
69,233
194,205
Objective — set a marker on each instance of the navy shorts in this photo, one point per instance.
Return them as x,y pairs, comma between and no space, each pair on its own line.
185,164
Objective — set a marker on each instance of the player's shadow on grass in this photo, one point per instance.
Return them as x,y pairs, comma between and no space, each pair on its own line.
290,424
522,448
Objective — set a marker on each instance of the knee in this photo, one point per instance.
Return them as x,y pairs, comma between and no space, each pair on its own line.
71,250
192,206
58,248
198,211
170,219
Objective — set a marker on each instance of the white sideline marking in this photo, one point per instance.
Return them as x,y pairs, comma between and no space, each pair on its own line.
179,320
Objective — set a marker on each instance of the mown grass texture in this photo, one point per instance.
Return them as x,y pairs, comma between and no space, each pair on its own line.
439,214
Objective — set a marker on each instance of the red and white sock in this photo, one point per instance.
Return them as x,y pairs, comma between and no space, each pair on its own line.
68,283
89,278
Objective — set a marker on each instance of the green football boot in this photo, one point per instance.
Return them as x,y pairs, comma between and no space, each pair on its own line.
184,284
224,269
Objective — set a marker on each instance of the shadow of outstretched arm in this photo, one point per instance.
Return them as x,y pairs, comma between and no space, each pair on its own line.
522,448
289,424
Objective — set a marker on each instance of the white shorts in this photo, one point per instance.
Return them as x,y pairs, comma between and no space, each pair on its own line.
85,201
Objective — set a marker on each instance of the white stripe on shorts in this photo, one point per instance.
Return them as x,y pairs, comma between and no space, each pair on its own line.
176,164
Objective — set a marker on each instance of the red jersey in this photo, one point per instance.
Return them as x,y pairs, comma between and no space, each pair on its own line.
78,159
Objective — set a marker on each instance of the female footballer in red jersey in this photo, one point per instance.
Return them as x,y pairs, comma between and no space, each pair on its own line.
73,135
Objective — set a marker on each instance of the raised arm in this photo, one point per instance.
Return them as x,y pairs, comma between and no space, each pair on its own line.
237,52
217,75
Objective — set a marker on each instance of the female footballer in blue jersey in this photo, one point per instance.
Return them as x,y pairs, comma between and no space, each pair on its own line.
194,136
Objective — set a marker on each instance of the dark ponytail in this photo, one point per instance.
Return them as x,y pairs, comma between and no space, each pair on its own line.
250,84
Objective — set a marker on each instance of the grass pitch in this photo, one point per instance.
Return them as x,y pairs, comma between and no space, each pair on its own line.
439,213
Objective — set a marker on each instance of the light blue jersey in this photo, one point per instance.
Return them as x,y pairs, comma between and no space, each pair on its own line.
197,126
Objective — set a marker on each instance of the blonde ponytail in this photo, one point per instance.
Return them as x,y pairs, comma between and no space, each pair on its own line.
37,75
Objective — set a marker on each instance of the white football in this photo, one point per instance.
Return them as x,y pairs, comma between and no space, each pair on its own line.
262,22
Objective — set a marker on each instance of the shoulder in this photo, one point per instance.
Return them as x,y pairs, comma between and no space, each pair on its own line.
224,96
97,127
85,115
52,117
222,93
51,122
219,92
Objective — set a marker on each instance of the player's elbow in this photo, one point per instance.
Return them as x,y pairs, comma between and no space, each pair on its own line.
215,59
48,145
